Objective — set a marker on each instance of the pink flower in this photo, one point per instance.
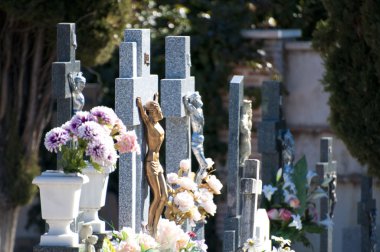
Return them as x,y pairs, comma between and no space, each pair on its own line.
127,142
185,165
294,202
147,241
214,184
187,183
104,115
172,178
55,138
285,214
273,214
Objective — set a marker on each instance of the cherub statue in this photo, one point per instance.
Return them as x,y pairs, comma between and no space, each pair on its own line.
86,237
245,131
193,105
77,83
151,114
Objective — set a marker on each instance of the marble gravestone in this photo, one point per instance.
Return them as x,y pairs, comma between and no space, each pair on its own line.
135,81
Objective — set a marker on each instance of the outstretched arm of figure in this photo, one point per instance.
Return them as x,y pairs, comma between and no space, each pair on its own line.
188,106
142,110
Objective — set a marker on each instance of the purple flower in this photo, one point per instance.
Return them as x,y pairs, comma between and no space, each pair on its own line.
91,131
104,115
102,151
78,119
55,138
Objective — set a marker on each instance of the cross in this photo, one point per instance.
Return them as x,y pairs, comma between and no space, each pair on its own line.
251,188
174,87
135,81
367,215
232,238
66,63
326,169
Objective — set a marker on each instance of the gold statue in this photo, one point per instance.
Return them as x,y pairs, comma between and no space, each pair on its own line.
151,114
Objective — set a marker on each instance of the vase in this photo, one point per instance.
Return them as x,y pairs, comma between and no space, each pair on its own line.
60,195
93,197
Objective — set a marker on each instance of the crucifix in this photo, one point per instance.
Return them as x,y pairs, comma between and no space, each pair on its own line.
326,170
65,66
135,81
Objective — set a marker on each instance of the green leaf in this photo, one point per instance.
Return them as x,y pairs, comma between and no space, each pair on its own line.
278,175
299,177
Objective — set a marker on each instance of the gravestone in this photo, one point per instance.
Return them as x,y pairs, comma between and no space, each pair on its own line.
251,188
232,239
269,130
326,169
174,87
65,64
135,81
367,216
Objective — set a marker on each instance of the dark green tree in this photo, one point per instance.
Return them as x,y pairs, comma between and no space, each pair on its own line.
349,44
27,49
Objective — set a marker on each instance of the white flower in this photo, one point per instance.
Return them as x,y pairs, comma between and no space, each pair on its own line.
203,195
187,183
172,178
283,242
214,184
297,223
209,207
328,223
317,194
195,214
251,245
184,201
268,191
288,183
185,165
209,162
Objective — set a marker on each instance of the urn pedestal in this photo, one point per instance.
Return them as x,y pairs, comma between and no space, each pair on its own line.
60,196
93,197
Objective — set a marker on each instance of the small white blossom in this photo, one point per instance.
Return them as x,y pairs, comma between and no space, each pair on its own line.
268,191
297,223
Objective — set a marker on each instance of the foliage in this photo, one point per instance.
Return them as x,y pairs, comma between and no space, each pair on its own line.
290,203
348,42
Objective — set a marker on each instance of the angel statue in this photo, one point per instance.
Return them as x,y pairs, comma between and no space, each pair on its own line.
77,83
193,105
245,131
151,114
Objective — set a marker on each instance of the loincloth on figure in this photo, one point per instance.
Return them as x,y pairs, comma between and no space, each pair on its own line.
154,168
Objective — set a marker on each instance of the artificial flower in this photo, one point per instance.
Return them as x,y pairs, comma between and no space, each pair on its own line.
214,184
251,245
184,201
127,142
297,223
273,214
285,214
185,165
172,178
55,139
268,191
186,183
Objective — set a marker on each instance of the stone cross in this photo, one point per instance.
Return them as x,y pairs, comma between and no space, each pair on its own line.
232,222
367,215
135,81
251,188
269,129
326,169
66,63
174,87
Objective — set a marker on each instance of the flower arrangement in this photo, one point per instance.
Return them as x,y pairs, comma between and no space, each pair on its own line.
170,237
290,203
96,136
189,200
253,245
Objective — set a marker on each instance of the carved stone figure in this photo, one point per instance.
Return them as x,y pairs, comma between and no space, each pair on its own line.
193,105
77,83
245,131
86,237
151,114
287,146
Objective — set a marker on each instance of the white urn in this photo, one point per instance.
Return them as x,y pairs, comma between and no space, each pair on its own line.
60,195
93,197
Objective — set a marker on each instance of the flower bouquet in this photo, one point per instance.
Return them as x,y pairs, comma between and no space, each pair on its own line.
189,200
290,203
170,237
96,135
253,245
